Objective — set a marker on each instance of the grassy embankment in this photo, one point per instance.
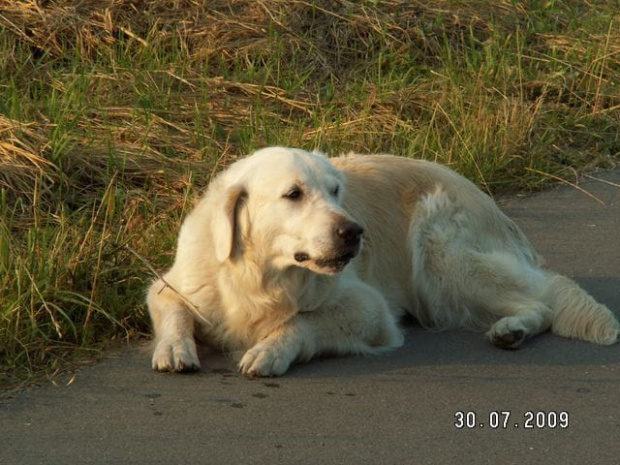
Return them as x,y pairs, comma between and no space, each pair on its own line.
113,114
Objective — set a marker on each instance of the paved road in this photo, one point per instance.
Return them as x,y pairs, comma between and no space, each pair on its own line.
394,409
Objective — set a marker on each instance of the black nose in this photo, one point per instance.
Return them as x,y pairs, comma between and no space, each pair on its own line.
350,232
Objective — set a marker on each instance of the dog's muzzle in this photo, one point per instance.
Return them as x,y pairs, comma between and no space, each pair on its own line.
348,237
347,242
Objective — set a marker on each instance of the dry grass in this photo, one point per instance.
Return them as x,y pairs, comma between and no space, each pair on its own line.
114,113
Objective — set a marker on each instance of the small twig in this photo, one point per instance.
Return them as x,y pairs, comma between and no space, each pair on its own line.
602,180
564,181
195,309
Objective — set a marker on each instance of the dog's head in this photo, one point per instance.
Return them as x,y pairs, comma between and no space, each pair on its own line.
284,206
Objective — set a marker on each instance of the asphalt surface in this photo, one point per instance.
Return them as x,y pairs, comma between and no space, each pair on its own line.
393,409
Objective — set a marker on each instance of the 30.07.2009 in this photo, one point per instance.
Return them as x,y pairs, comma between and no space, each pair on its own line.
505,419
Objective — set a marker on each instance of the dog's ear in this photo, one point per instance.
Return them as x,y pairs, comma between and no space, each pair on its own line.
225,221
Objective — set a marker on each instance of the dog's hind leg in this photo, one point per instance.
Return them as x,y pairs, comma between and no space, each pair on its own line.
511,292
175,347
466,278
489,291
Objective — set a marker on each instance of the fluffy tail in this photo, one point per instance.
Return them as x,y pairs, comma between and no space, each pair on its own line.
577,315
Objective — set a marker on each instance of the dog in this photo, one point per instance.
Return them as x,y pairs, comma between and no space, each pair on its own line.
290,254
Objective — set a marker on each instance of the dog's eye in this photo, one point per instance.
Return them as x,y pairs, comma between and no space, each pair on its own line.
336,191
294,194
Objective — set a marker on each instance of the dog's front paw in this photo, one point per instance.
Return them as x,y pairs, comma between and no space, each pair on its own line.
176,355
268,358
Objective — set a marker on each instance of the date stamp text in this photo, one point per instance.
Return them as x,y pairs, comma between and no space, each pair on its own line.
505,419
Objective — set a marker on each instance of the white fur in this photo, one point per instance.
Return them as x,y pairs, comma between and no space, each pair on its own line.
259,271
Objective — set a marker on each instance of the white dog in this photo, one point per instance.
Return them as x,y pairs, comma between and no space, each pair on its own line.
290,254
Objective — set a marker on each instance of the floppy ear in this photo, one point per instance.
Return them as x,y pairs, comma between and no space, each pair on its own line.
225,221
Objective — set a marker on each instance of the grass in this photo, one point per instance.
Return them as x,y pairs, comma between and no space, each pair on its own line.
114,114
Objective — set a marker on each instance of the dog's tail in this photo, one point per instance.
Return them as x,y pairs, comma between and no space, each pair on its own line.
577,315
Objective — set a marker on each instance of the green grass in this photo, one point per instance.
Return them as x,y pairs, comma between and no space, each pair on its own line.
112,120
